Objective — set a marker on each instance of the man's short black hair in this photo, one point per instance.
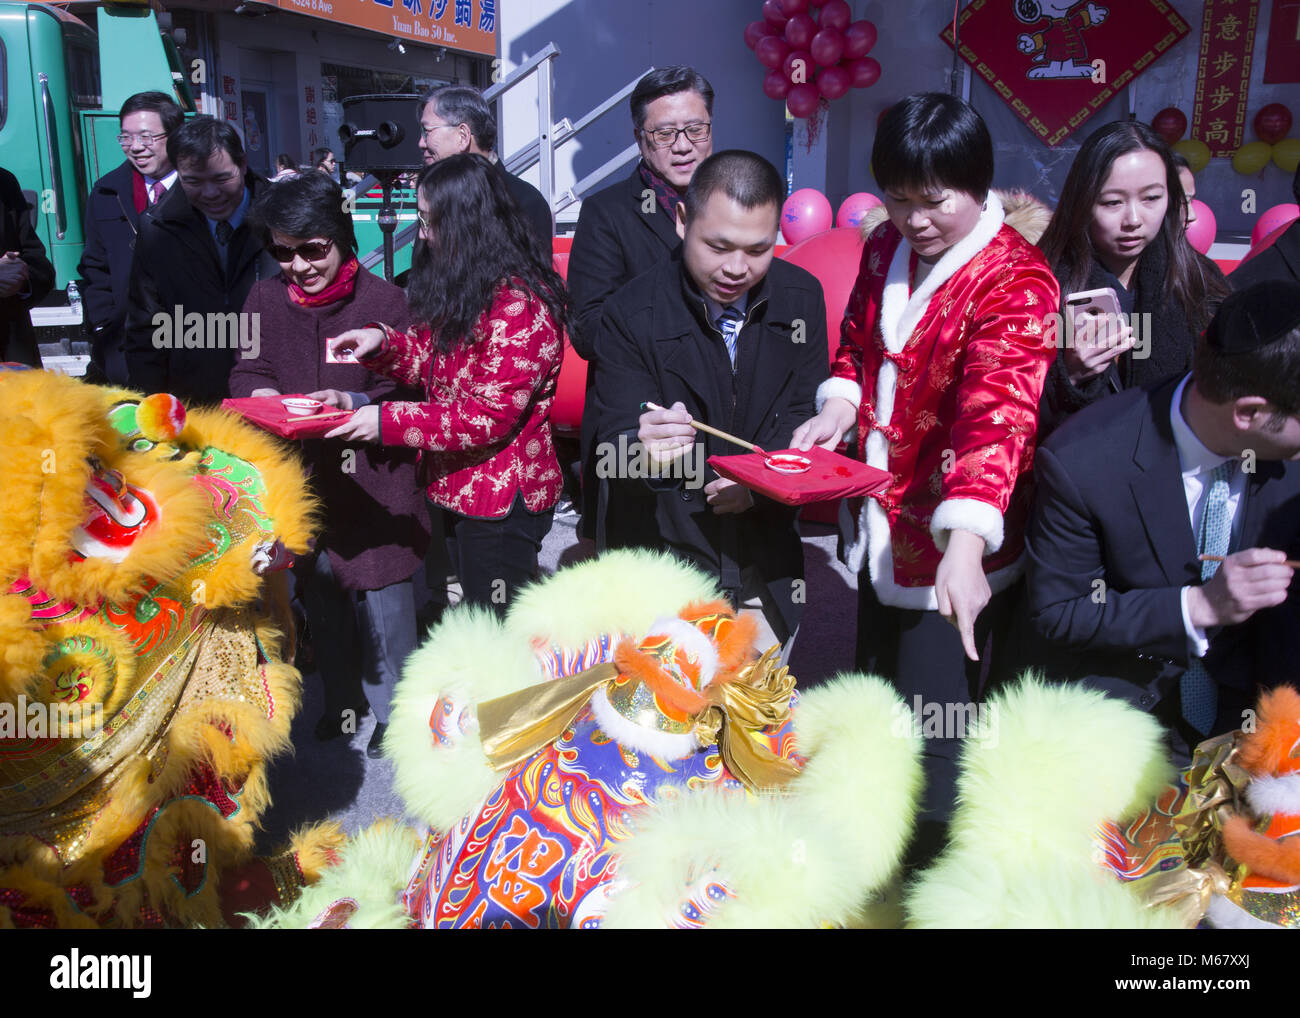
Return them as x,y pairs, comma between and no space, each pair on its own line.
1252,347
461,104
197,140
746,177
931,139
171,115
668,81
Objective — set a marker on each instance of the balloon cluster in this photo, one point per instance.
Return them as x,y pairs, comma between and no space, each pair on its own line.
808,212
812,60
1272,123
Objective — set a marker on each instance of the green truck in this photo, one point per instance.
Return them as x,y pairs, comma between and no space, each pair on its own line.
61,85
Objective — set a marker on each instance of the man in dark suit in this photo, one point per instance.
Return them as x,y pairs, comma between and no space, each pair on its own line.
26,274
722,333
196,255
1133,490
112,219
1280,260
626,229
455,119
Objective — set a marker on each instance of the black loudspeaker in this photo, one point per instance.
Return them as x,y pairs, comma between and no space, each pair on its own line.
381,132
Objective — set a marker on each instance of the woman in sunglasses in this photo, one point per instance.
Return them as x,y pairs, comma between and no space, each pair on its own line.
487,350
357,589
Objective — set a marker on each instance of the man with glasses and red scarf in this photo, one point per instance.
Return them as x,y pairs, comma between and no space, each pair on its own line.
113,219
624,230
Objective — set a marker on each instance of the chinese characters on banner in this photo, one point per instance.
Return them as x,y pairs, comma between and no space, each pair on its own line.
229,98
309,105
1223,74
1282,60
1057,62
468,25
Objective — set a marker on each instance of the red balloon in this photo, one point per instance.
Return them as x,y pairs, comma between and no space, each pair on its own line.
827,46
757,30
1169,123
859,37
864,72
773,14
799,31
1272,123
836,14
802,100
792,7
776,85
771,51
834,82
798,66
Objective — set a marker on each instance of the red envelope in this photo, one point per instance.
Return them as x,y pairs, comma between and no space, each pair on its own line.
269,414
832,476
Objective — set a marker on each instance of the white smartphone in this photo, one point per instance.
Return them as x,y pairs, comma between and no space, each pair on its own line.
1096,302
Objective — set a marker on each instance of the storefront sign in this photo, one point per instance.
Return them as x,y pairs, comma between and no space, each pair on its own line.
1223,74
468,25
1057,62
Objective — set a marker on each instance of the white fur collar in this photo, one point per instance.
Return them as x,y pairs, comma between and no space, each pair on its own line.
1275,796
899,311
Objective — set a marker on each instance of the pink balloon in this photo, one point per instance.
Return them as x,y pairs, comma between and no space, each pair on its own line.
864,72
757,30
798,66
859,37
802,100
804,213
833,82
771,51
854,207
792,7
799,31
1270,220
776,85
836,14
773,14
1201,233
827,46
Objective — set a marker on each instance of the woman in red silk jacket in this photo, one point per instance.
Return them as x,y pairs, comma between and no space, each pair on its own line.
487,361
943,353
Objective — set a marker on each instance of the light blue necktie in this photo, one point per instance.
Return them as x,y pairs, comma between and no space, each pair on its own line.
1199,692
729,324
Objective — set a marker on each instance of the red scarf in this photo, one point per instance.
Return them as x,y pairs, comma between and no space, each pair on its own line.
668,195
344,283
139,192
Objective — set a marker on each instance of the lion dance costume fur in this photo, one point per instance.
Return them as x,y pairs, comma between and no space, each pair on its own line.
616,753
142,684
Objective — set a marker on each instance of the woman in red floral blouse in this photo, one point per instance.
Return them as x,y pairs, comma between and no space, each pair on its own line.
940,369
487,358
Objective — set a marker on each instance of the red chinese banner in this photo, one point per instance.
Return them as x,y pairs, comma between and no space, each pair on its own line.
1057,62
1223,75
1282,59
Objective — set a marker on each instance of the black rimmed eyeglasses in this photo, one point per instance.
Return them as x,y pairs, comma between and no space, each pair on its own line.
666,137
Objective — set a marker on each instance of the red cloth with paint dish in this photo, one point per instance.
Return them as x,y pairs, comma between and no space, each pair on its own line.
831,476
269,414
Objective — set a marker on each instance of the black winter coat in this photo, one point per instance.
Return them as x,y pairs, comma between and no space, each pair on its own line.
17,337
105,268
656,343
176,264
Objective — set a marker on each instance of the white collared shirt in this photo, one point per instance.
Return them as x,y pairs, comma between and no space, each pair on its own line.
167,181
1196,462
741,304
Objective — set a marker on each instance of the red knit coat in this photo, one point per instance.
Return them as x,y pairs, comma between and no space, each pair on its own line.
484,431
